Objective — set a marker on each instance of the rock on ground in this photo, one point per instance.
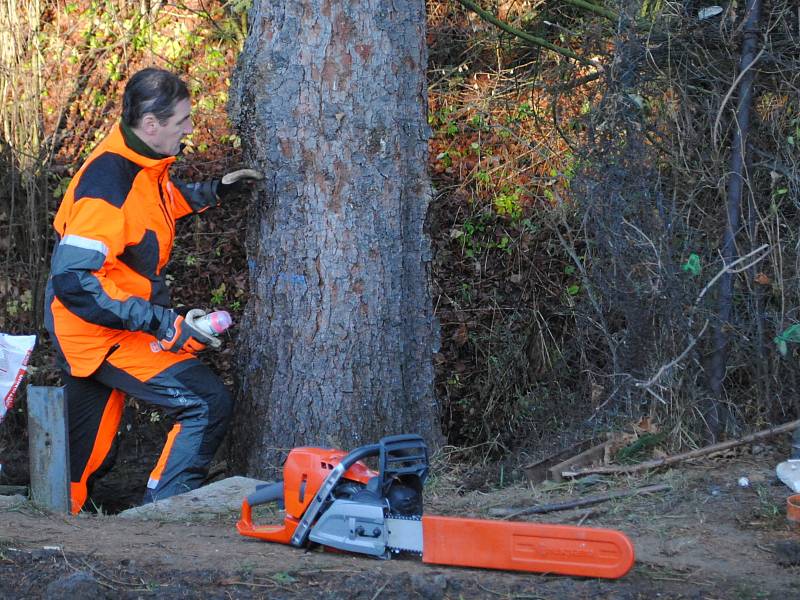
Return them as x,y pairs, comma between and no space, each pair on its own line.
208,502
12,501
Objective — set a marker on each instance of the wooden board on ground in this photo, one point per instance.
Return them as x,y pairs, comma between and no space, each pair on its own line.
539,471
591,456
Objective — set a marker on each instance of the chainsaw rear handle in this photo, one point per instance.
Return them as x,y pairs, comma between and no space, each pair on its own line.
266,493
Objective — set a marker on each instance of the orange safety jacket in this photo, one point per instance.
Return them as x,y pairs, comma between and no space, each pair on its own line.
115,231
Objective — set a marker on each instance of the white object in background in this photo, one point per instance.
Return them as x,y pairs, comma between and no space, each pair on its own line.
708,12
744,482
789,473
15,350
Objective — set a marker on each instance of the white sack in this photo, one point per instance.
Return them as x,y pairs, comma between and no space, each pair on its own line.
15,350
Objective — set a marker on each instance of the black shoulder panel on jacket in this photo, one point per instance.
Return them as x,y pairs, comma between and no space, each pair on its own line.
110,177
143,257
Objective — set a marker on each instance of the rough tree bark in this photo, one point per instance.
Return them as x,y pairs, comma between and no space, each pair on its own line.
338,336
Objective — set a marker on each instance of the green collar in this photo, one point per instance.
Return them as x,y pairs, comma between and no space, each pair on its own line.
135,143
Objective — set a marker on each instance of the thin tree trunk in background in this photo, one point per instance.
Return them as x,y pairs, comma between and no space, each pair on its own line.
338,336
717,413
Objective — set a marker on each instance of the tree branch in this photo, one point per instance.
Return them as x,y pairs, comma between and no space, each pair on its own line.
669,365
676,458
531,39
510,513
599,10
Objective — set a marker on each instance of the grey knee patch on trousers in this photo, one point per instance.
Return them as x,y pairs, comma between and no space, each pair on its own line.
196,397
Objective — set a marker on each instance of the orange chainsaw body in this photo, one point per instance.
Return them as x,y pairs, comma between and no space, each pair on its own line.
489,544
304,472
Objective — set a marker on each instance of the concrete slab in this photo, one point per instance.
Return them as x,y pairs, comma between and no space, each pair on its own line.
219,499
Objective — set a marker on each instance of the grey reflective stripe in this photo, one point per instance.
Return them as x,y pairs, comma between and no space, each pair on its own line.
85,243
74,276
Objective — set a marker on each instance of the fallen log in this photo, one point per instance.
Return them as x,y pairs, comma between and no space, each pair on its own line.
510,513
676,458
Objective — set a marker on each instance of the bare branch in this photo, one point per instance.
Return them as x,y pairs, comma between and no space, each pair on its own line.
531,39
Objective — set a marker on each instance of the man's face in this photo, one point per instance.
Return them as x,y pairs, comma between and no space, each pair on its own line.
167,136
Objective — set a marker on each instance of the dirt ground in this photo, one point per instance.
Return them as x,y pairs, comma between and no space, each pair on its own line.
705,538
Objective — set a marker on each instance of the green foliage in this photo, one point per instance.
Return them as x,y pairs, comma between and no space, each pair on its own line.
794,134
99,99
504,245
61,187
640,448
447,157
479,123
218,295
15,306
234,140
768,509
470,236
283,577
692,264
790,334
508,204
524,112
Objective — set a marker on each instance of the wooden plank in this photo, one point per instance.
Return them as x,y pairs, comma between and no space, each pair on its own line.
539,471
591,456
48,447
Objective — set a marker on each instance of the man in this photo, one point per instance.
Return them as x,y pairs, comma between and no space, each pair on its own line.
107,304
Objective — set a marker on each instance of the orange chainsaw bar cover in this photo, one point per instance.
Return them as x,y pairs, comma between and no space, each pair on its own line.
540,548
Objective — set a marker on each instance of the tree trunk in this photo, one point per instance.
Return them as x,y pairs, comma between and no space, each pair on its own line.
337,339
716,412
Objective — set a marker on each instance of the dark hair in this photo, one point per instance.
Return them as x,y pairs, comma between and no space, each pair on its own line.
153,91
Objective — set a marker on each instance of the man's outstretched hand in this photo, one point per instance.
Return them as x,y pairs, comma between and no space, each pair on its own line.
237,181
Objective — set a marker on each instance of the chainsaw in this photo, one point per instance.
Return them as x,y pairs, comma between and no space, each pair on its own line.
332,498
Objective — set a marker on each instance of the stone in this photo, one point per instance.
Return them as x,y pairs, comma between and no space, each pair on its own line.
12,501
221,498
